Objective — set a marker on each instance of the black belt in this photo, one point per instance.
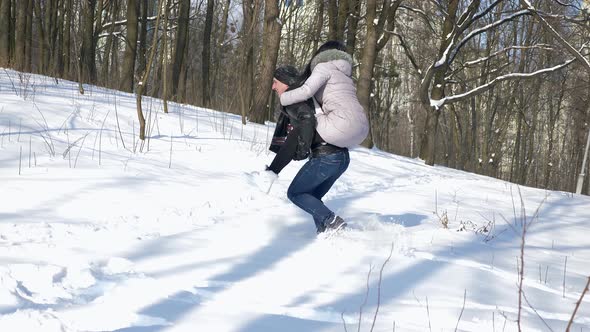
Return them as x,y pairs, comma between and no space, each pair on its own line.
322,149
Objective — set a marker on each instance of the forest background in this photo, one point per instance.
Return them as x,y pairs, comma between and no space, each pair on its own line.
494,87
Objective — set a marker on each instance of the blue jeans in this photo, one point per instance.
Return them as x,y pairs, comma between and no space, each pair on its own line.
313,181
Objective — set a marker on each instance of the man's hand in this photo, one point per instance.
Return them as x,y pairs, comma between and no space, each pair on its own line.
263,180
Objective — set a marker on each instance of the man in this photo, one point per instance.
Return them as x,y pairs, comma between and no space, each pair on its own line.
326,162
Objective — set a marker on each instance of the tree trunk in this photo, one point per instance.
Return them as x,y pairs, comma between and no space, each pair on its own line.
342,19
452,140
128,71
206,54
56,35
144,78
318,24
435,82
5,18
246,90
165,57
67,38
39,13
375,40
110,40
181,45
353,22
473,146
21,30
59,50
142,46
220,47
99,15
333,19
87,52
51,40
29,37
366,68
551,160
270,49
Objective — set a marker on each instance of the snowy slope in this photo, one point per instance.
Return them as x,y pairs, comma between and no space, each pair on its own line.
99,232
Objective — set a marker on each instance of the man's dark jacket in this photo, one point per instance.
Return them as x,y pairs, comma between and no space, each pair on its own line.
293,135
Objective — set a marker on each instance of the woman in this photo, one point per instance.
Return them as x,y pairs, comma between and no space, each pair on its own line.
342,121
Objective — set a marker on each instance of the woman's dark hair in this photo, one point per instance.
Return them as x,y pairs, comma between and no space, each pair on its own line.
329,45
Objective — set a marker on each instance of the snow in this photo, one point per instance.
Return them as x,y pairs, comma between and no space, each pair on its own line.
174,236
529,4
437,104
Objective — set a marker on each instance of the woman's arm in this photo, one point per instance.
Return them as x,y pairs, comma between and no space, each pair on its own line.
318,78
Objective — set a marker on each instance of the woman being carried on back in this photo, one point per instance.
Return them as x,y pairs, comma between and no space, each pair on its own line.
341,124
342,121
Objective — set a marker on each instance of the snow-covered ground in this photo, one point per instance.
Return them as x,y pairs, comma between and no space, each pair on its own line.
102,232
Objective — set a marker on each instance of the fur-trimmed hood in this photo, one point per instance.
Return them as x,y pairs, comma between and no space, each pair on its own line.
342,121
331,55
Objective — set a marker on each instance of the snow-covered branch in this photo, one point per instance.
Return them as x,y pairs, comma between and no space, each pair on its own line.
113,24
568,5
486,28
499,68
507,49
482,88
484,12
572,50
114,34
466,19
108,25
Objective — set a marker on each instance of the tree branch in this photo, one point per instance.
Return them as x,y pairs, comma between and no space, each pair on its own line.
421,14
526,4
467,17
483,13
409,54
578,305
484,29
492,83
504,50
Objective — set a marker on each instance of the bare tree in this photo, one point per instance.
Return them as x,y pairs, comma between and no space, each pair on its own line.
578,56
319,23
21,30
164,57
458,29
145,75
88,48
332,19
246,91
41,28
343,12
128,70
206,54
270,50
142,40
221,45
353,21
67,42
376,38
5,19
181,42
